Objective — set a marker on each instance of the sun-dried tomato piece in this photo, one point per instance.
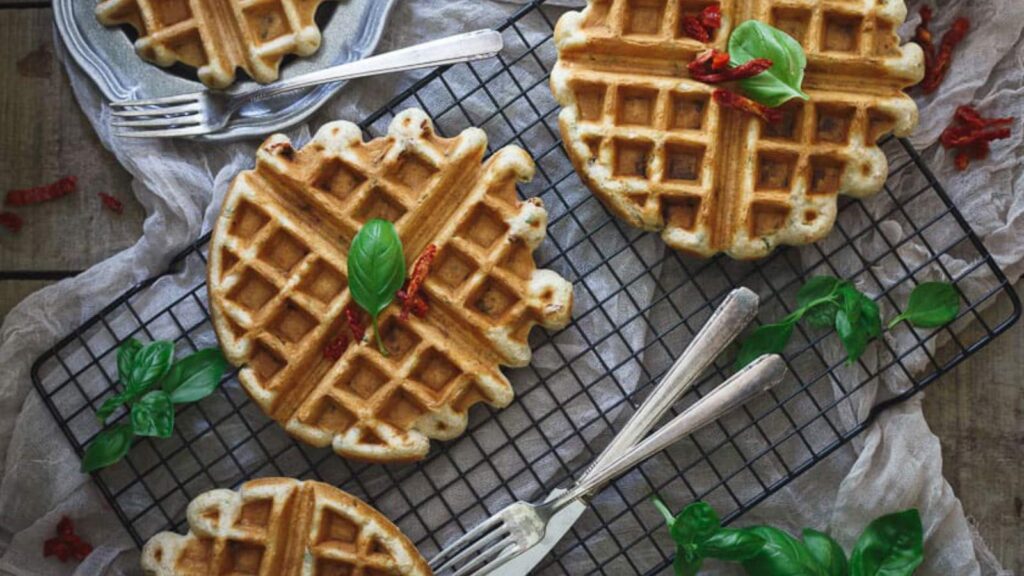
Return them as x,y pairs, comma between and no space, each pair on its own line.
39,194
11,221
67,544
111,203
735,101
356,322
693,28
711,17
970,134
938,61
336,348
410,296
707,67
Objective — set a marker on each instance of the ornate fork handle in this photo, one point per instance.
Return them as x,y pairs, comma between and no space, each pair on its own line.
731,317
744,385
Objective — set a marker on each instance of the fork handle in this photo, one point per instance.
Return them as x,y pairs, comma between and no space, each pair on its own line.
461,48
757,377
731,317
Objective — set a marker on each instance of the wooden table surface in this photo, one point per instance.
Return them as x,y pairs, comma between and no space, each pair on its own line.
977,410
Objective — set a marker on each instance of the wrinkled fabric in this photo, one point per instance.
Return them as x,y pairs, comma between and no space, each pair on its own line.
895,464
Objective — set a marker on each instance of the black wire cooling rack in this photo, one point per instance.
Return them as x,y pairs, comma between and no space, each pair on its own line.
568,404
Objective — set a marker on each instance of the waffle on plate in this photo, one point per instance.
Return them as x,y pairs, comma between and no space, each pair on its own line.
283,527
277,281
662,155
219,36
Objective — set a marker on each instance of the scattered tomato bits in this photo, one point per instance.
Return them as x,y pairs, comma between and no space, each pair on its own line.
970,135
111,203
410,297
11,221
712,67
937,62
356,322
40,194
336,348
729,99
67,545
703,26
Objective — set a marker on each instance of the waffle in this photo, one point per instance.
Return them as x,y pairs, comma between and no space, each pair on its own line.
283,527
662,155
218,36
277,284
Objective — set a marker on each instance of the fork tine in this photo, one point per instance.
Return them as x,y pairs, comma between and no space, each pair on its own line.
160,122
182,98
483,561
509,553
480,544
159,111
481,529
170,133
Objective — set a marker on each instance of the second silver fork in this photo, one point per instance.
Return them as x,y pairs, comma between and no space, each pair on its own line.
520,526
209,111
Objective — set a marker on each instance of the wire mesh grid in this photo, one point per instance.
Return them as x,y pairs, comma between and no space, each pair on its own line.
573,397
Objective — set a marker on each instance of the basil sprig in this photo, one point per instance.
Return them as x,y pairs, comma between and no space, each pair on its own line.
376,270
152,384
783,81
828,302
892,545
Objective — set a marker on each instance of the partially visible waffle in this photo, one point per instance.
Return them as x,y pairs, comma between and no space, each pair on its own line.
283,527
277,282
218,36
661,154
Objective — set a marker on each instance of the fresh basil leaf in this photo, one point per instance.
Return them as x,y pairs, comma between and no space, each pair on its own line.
126,353
780,83
376,270
732,545
110,405
826,551
107,448
853,336
766,339
816,289
823,315
686,565
850,301
195,377
149,366
892,545
782,554
931,305
153,415
695,523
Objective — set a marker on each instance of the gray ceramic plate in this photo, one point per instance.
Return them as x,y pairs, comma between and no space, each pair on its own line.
351,29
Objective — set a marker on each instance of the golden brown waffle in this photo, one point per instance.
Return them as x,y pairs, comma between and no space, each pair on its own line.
283,527
662,155
218,36
277,284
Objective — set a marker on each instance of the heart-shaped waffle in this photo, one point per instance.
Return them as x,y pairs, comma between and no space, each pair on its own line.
278,292
660,153
218,36
283,527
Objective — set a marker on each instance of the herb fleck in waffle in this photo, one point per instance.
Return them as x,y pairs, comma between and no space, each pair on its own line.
283,527
654,146
219,36
277,281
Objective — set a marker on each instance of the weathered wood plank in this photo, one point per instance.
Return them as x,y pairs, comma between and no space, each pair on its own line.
45,136
978,413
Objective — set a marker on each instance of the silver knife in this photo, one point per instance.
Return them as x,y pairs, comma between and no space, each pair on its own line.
731,317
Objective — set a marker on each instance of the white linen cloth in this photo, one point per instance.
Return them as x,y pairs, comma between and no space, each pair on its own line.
896,464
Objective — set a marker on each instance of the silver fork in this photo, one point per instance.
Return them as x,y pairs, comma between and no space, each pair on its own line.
722,328
207,111
521,525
